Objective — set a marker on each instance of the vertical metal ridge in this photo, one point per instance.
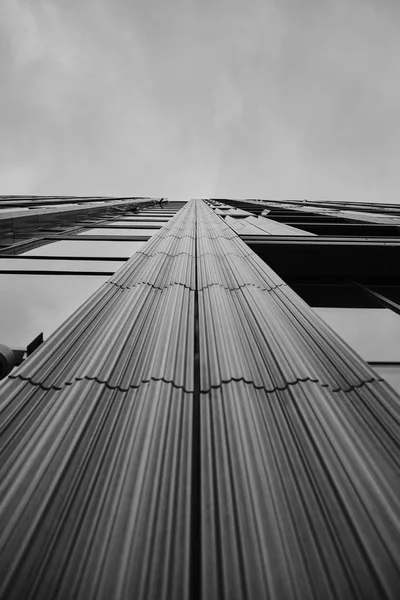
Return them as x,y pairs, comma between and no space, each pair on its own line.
196,554
300,500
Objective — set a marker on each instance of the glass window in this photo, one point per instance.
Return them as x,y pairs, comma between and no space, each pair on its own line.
138,224
19,264
235,213
272,227
390,373
252,225
156,215
391,292
30,304
152,220
61,204
242,226
111,231
341,295
103,248
366,214
148,218
372,332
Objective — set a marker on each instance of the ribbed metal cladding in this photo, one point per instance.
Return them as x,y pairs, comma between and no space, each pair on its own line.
196,431
299,441
96,440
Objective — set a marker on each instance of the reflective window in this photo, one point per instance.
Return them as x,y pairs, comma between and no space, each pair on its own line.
140,220
367,214
341,295
372,332
155,216
19,264
63,205
30,304
391,292
88,248
136,224
390,373
242,226
236,213
252,225
111,231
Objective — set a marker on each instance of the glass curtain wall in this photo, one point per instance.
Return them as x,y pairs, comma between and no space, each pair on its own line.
365,318
41,287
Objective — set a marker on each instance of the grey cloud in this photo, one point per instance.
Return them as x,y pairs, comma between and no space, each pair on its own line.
267,99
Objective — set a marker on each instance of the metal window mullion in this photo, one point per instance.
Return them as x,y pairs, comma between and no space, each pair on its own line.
386,302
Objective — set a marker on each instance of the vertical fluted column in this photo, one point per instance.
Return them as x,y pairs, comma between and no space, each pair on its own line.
96,440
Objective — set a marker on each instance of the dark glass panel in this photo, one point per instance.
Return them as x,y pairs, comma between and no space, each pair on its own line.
334,295
391,292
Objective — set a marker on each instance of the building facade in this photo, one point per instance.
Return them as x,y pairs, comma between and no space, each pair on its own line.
214,412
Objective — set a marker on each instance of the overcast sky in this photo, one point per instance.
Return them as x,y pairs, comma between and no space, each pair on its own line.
230,98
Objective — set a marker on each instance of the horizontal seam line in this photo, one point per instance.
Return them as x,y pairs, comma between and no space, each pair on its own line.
100,382
191,255
169,235
193,289
203,391
291,384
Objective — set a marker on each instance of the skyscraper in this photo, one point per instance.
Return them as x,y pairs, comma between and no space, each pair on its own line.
215,420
